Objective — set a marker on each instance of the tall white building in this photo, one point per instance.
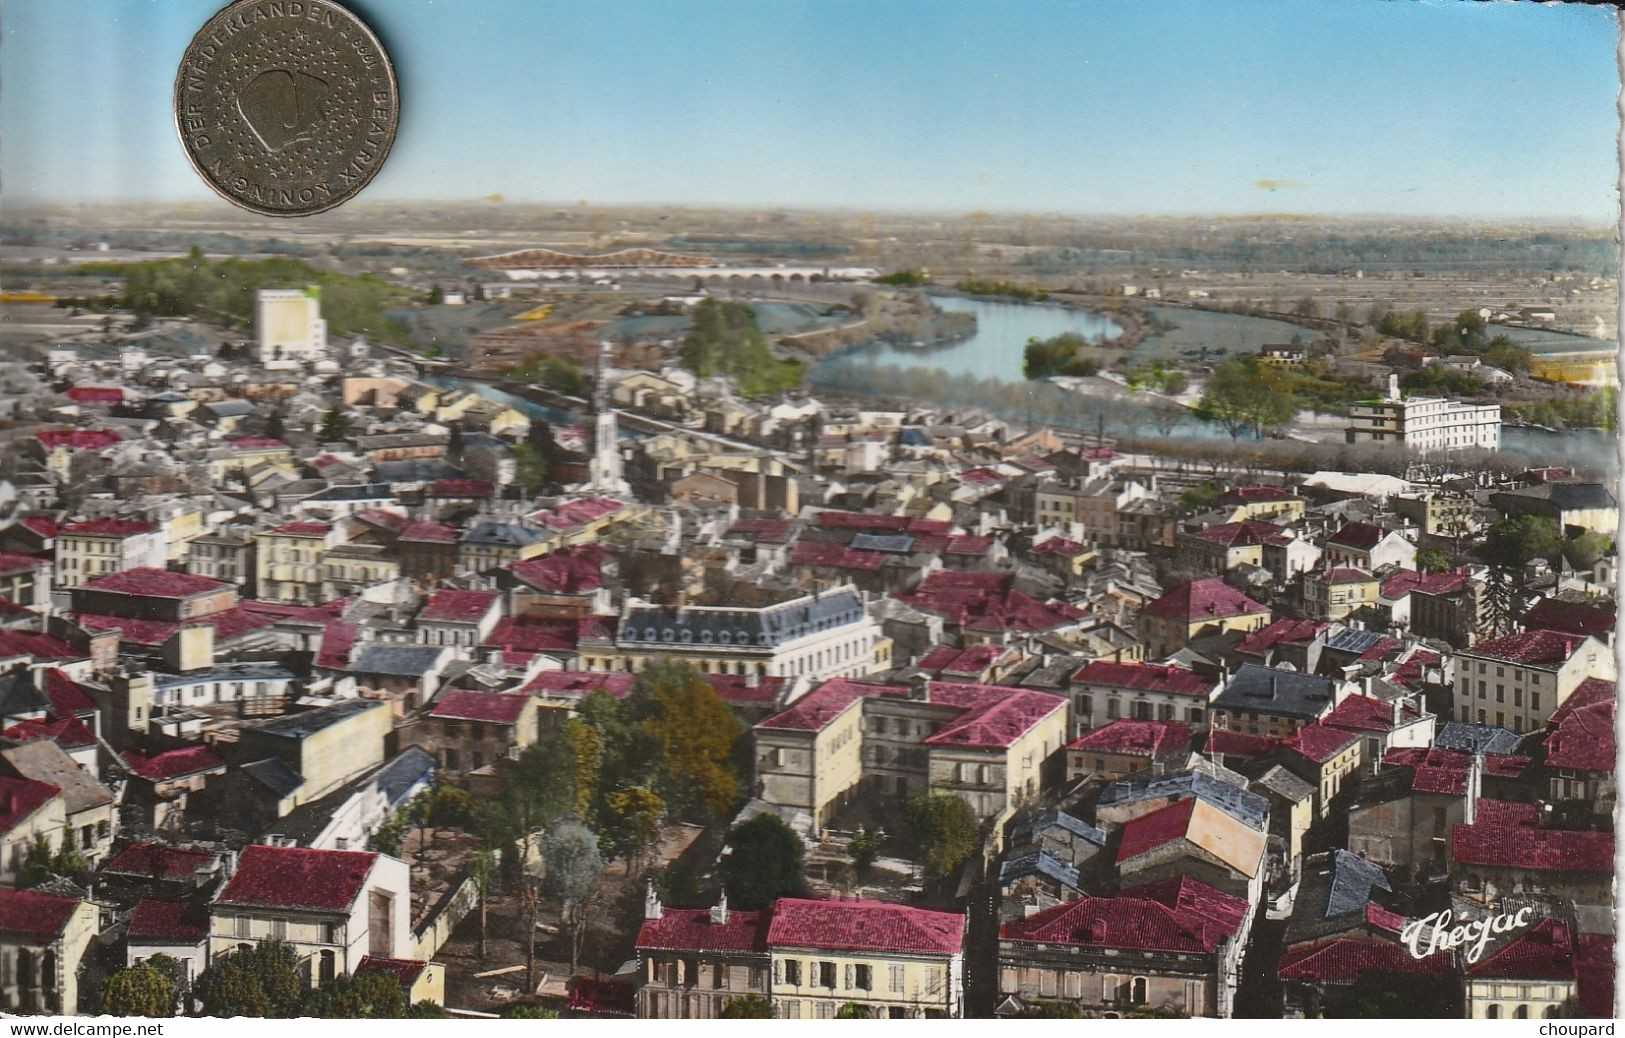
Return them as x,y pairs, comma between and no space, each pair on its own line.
289,326
1427,423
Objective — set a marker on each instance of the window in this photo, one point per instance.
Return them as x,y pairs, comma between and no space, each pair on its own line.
330,933
896,978
792,971
1534,700
87,835
243,927
862,977
1086,705
826,975
1500,693
1138,991
1517,697
279,929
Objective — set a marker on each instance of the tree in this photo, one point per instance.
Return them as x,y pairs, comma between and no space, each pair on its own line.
36,867
724,339
864,848
677,884
1513,541
141,990
483,865
746,1007
335,426
1584,549
574,865
1198,497
425,1010
943,828
1432,560
586,755
695,733
530,468
529,1012
1238,399
374,995
763,862
852,1011
630,823
261,981
437,295
1049,1009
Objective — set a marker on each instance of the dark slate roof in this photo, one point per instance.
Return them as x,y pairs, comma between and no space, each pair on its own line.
414,470
1270,691
365,492
898,542
1471,737
227,672
1243,804
504,535
396,778
1040,863
1353,879
274,774
18,694
1057,820
1283,783
1347,639
1567,496
402,661
770,626
303,725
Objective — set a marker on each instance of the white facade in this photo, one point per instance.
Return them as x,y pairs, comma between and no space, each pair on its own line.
84,555
289,326
1425,423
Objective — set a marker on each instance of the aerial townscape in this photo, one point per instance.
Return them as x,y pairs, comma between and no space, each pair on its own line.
652,623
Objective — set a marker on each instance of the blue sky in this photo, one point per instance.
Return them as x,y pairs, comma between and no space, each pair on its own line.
1441,108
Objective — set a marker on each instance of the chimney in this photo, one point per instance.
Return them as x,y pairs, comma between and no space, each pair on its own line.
719,911
1366,683
1396,712
1475,782
919,687
651,902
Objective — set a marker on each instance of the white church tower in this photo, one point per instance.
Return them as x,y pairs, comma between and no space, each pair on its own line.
605,466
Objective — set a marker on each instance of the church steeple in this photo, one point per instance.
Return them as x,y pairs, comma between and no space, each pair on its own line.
605,465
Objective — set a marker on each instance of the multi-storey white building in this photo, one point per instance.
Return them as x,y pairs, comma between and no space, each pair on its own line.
289,326
1428,423
98,546
1518,680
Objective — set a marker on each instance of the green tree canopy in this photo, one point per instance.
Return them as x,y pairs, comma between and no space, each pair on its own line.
1513,541
746,1007
373,995
1432,560
943,828
694,732
261,981
1240,398
763,862
141,990
724,339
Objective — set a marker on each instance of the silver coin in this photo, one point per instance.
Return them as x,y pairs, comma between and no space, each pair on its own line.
286,107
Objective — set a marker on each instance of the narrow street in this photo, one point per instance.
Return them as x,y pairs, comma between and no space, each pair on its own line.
1258,994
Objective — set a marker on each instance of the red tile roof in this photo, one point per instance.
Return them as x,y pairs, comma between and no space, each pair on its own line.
986,601
1179,914
1277,632
302,528
1548,850
1368,714
971,661
1319,742
96,395
829,553
297,877
256,443
977,546
1543,952
568,572
519,637
1530,647
449,605
34,914
1004,716
461,488
425,530
338,639
762,530
20,797
1594,970
1152,830
736,688
1507,813
1402,582
1065,546
227,624
980,476
168,764
67,696
1359,536
1445,771
826,702
1345,960
159,861
1580,735
1344,575
78,439
1409,673
15,562
1253,495
572,514
394,521
609,997
578,684
69,732
1136,738
43,525
892,523
150,582
108,528
179,921
691,929
1550,614
1237,535
864,925
1208,598
1229,743
489,707
1151,677
41,646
